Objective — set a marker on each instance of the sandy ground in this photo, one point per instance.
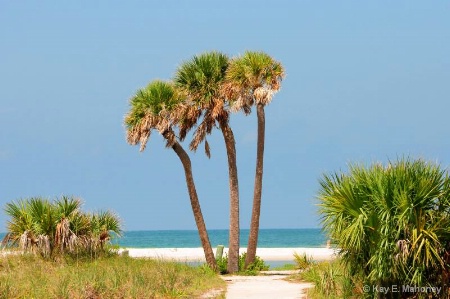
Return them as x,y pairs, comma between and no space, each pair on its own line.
197,255
268,286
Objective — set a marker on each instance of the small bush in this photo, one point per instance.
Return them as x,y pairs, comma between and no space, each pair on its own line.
302,261
331,280
391,224
54,228
252,269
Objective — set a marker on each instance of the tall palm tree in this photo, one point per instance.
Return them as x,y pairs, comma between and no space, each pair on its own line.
200,79
253,79
152,108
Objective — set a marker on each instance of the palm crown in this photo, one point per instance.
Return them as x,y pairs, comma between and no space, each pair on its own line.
200,80
252,77
151,108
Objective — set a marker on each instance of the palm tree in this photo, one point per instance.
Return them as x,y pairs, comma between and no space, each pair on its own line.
152,108
200,79
253,79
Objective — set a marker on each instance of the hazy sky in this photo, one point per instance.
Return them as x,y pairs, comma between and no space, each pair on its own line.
366,81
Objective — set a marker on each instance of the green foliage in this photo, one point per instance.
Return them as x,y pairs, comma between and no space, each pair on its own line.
302,261
151,100
252,78
331,280
201,77
26,276
51,228
252,269
284,267
391,223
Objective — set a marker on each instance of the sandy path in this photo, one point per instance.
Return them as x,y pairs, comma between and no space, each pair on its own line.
268,286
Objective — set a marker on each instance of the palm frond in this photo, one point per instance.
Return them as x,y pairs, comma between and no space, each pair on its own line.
200,80
151,108
252,77
388,221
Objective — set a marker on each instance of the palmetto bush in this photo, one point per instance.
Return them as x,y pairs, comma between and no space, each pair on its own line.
54,227
391,223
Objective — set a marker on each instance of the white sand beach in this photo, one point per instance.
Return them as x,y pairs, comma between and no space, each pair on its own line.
197,255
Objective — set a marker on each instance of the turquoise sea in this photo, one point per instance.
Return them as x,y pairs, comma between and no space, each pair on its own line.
270,238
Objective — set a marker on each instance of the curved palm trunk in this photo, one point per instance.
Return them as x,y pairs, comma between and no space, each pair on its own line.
256,210
233,250
195,204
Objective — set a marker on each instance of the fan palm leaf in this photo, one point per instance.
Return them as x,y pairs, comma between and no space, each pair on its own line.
391,223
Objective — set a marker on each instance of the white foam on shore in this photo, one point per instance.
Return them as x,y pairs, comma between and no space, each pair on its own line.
197,255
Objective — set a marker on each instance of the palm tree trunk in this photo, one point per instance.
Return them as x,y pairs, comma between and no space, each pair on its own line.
256,209
195,204
233,246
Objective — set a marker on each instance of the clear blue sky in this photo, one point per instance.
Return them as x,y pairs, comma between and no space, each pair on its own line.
366,81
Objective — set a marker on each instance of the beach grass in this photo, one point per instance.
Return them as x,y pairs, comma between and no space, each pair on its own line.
29,276
330,280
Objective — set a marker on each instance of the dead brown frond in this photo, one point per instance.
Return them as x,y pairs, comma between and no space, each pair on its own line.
199,134
140,132
186,116
26,241
217,108
43,244
64,237
207,149
263,95
7,239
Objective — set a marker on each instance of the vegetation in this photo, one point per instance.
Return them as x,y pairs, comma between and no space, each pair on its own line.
392,225
284,267
204,92
200,80
54,227
252,269
253,79
331,280
28,276
302,261
155,108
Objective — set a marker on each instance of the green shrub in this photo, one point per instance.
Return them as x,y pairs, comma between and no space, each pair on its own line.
252,269
302,261
331,280
52,228
391,224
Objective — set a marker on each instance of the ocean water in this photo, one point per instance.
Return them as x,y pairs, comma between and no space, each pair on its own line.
270,238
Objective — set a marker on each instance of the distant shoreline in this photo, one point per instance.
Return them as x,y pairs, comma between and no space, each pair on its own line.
197,255
268,238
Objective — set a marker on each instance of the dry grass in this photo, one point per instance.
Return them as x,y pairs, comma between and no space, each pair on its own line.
28,276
